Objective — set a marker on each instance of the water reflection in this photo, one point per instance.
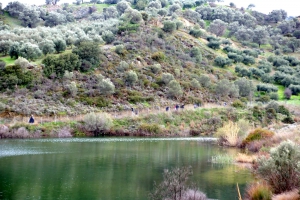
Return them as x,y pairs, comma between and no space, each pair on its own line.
109,168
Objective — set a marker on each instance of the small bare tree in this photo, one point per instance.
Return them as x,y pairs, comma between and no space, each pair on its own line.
174,186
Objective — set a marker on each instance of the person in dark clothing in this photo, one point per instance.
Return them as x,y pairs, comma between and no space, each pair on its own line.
176,107
167,108
31,119
182,106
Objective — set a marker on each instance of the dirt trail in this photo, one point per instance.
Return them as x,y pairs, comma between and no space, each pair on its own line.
115,115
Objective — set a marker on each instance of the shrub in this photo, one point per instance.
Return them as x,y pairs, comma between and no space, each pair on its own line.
169,26
158,56
196,33
167,77
266,88
174,89
150,128
281,170
258,134
259,191
222,62
238,104
131,77
97,123
214,44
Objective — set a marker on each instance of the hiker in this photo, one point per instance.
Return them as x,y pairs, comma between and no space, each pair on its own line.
167,108
31,119
176,107
182,106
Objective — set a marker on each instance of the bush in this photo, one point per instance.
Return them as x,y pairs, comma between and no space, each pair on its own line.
149,128
214,44
281,170
169,26
97,123
258,134
238,104
174,89
259,191
222,62
158,56
196,33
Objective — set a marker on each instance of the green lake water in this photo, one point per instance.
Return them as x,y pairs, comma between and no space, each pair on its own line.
111,168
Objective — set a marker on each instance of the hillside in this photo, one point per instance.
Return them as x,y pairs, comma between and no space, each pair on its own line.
74,59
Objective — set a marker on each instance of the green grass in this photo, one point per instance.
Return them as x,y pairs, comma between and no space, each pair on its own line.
13,22
8,60
295,100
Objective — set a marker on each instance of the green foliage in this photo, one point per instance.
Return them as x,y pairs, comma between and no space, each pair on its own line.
97,123
266,88
281,170
258,134
214,44
222,62
131,77
60,45
99,101
238,104
13,75
196,33
167,77
174,89
150,128
169,26
65,62
108,36
89,52
158,56
128,27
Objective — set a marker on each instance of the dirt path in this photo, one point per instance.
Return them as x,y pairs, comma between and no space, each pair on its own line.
115,115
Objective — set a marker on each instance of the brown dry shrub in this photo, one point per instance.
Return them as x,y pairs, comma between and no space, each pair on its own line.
244,158
258,191
291,195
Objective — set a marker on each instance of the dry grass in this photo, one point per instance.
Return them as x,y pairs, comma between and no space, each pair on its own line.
258,191
244,158
291,195
229,132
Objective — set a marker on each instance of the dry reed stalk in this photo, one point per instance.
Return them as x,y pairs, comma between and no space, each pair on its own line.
291,195
231,133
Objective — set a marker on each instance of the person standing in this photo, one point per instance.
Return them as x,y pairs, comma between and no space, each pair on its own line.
31,119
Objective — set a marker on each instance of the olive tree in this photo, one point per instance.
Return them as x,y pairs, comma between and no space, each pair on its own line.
131,77
260,35
174,89
218,27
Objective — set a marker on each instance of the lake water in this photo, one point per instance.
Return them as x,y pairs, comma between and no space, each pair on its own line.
111,168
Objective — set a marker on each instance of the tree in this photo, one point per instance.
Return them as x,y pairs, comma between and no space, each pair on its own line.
222,62
122,6
30,17
246,88
222,88
47,46
174,89
72,88
108,36
294,44
4,46
260,35
287,93
169,26
88,51
30,51
277,16
244,34
14,50
250,6
106,87
59,45
218,27
174,186
296,34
